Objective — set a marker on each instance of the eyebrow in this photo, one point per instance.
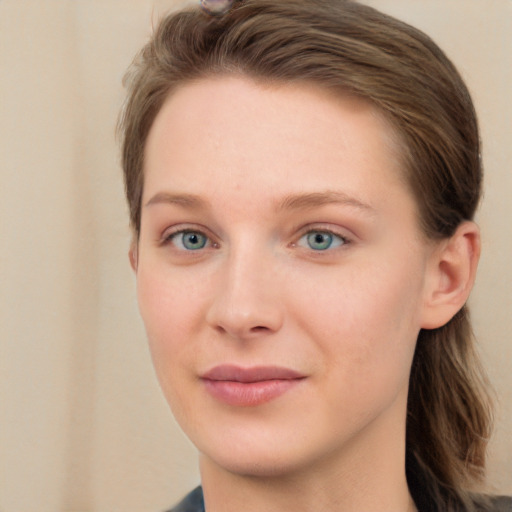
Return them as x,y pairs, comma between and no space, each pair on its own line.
292,202
316,199
188,201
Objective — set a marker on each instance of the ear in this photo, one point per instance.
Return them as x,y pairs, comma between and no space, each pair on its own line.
133,255
450,276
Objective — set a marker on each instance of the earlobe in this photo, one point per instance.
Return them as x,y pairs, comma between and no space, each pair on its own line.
133,256
451,275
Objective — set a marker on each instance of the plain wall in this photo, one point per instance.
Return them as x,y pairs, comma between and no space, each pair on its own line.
83,425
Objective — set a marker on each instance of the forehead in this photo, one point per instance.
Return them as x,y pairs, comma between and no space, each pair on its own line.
237,132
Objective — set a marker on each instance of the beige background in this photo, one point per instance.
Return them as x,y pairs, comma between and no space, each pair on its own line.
83,426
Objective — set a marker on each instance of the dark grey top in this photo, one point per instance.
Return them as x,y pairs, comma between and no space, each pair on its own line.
193,502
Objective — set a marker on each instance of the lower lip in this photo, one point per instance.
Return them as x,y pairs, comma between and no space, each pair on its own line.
248,394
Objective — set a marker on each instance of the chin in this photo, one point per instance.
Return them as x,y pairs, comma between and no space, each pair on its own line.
258,448
264,454
251,465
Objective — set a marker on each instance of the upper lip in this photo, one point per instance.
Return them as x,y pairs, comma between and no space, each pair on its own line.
253,374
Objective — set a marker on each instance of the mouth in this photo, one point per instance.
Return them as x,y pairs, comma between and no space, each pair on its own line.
249,387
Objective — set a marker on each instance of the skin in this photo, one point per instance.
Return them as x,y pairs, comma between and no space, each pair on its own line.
256,169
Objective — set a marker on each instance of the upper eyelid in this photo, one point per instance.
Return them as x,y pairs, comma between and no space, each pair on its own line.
344,239
168,240
184,228
340,232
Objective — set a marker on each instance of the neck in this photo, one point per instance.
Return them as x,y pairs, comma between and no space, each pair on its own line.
369,476
282,495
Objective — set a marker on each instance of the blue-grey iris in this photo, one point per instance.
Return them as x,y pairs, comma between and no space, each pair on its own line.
193,240
319,240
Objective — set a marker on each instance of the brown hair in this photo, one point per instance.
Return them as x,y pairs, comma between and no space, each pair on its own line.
348,47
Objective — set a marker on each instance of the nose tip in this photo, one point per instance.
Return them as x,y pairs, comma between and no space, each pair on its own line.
244,325
246,304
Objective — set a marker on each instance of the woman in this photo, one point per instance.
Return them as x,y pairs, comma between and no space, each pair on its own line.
302,179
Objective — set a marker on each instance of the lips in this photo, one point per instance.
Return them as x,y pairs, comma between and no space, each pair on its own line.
246,387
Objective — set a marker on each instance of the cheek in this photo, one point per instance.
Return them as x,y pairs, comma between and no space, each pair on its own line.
367,320
169,309
372,342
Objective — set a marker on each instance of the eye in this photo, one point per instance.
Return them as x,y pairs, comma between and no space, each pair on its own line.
319,240
188,240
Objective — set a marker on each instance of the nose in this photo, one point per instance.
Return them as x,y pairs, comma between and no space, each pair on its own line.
247,302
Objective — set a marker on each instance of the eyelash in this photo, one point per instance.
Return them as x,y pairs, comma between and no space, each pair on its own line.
170,238
337,238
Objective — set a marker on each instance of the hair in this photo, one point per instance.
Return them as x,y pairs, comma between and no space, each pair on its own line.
348,47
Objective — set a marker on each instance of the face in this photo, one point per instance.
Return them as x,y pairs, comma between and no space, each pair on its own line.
281,274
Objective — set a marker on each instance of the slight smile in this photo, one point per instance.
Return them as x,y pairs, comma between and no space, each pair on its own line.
248,387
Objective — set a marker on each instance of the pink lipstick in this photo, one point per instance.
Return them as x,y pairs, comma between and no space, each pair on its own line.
246,387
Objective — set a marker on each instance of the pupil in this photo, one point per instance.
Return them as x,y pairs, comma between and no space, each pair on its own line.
319,240
194,240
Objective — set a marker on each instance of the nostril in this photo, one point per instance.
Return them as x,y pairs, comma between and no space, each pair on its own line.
243,318
259,328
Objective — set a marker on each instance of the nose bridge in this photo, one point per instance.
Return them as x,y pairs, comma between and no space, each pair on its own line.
245,303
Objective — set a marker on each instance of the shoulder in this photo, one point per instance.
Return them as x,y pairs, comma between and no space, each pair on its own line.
192,502
501,504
